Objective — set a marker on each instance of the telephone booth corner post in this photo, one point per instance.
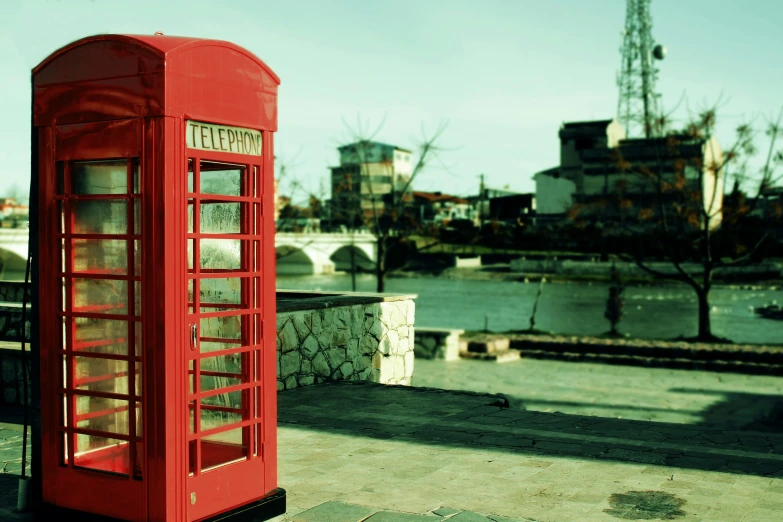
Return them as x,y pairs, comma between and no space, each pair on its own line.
153,177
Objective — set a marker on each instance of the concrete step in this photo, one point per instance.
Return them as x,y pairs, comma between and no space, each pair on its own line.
717,365
497,356
706,352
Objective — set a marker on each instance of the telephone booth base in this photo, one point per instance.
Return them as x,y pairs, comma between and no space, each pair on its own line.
270,506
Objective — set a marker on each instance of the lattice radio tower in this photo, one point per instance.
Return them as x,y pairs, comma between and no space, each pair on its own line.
639,105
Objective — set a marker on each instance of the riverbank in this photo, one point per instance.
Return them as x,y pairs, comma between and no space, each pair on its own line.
502,272
658,311
764,359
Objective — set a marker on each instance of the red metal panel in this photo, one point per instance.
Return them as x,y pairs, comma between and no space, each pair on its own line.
95,100
269,352
218,82
99,140
121,76
50,293
96,58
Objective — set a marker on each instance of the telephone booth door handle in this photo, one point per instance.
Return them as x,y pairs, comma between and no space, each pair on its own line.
193,336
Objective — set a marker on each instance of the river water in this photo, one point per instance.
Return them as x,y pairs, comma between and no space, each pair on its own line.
651,312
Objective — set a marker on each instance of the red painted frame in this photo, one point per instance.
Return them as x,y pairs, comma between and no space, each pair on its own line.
124,97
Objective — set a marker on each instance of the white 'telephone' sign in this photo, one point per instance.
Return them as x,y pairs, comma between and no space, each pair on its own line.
220,138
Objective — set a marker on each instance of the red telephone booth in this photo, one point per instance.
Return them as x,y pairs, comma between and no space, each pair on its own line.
154,170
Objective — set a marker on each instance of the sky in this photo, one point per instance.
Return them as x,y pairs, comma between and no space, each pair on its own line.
501,75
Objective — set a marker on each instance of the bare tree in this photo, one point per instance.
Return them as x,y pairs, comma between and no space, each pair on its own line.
386,216
674,199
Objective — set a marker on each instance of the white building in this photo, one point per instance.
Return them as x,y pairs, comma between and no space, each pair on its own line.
590,173
369,177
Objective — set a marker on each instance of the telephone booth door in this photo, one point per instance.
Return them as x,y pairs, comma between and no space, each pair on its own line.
225,308
94,354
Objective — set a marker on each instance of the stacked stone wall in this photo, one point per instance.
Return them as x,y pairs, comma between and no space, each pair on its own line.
372,342
369,341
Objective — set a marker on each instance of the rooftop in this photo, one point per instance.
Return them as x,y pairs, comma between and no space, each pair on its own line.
600,124
438,196
371,143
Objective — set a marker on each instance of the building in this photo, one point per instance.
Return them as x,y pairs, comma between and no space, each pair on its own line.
439,208
12,213
554,194
371,177
504,205
512,207
598,167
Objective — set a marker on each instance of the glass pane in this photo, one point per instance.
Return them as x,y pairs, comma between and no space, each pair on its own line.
220,218
139,418
137,257
218,294
220,333
102,256
100,296
138,339
191,202
137,298
221,254
190,175
136,174
229,365
101,375
108,216
190,255
100,336
102,454
213,415
222,178
60,217
138,388
192,414
190,296
137,216
110,415
99,177
223,448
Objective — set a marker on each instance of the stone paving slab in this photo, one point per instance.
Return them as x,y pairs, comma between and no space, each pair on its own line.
598,392
410,451
572,467
334,512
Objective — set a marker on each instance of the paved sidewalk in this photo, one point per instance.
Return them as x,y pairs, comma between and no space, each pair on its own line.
412,449
365,449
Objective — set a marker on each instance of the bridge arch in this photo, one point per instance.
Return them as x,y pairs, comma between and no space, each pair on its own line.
12,264
295,260
341,257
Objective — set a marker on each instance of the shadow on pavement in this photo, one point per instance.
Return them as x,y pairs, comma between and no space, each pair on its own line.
464,419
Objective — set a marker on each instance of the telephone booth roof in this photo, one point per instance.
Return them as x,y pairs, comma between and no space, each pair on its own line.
106,77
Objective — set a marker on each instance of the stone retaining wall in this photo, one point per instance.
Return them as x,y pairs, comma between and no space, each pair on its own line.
372,342
437,343
320,337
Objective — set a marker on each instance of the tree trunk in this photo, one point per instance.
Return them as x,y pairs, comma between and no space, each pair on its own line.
353,265
380,265
705,328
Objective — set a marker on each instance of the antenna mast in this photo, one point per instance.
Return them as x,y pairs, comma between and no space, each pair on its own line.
638,108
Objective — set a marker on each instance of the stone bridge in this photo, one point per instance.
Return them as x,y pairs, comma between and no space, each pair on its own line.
13,253
297,253
319,253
